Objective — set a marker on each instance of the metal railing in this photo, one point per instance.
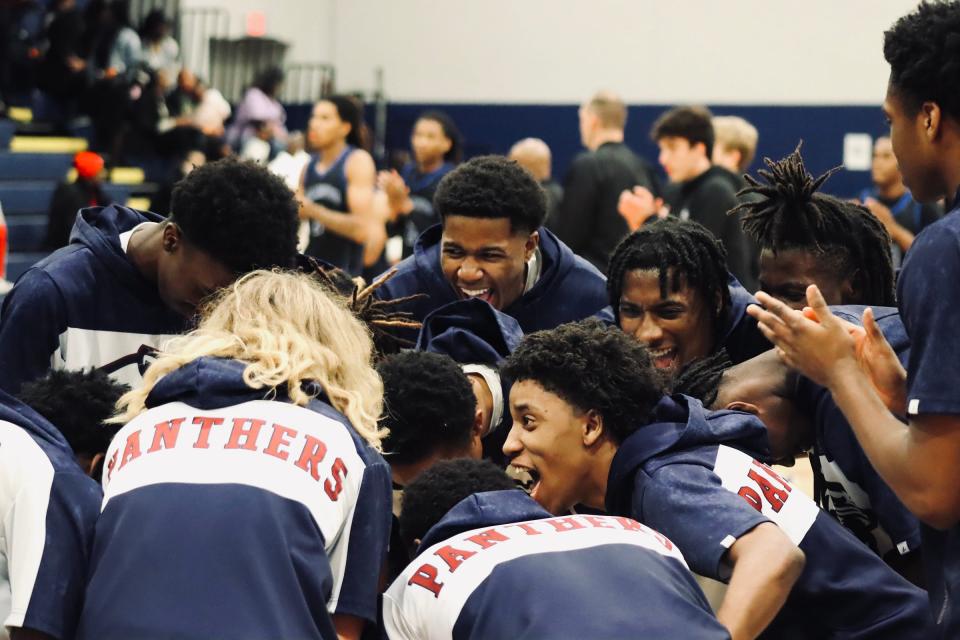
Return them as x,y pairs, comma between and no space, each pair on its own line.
197,27
307,82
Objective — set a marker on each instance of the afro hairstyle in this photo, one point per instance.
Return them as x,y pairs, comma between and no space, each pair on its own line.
492,187
239,214
438,489
428,405
923,49
591,366
77,403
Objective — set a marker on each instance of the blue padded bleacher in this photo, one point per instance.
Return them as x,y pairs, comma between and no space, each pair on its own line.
33,197
27,232
34,166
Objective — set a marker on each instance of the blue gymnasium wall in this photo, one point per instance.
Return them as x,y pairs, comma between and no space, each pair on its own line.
493,128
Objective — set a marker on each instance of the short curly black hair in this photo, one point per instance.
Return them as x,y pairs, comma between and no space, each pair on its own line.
684,253
492,187
694,124
428,405
239,214
592,367
438,489
77,403
923,49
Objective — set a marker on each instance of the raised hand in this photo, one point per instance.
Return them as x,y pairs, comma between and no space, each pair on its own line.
819,346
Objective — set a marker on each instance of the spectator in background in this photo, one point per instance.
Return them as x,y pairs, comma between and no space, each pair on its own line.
70,197
336,190
116,58
257,147
893,204
436,148
587,219
533,154
126,49
204,108
161,53
62,74
290,162
699,191
734,148
260,103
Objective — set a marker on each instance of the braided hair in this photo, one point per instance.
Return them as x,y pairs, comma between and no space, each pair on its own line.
683,252
700,378
792,214
380,316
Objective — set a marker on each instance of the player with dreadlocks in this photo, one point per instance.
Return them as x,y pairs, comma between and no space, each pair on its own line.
801,416
381,316
669,287
807,237
866,379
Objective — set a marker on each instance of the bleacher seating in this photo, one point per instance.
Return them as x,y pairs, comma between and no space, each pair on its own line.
30,169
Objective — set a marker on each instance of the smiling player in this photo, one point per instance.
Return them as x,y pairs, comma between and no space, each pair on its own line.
592,427
670,289
491,246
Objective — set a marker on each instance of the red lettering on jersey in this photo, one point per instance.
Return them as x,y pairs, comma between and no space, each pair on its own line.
165,435
629,524
598,522
488,538
426,577
248,434
206,423
312,455
279,439
112,464
337,471
773,475
662,539
776,497
565,524
132,450
527,528
752,497
453,557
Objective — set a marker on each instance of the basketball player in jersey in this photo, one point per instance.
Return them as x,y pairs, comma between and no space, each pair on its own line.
336,189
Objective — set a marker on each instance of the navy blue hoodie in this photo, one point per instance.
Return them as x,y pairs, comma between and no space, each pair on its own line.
473,332
697,476
845,483
235,514
50,507
569,288
588,572
86,305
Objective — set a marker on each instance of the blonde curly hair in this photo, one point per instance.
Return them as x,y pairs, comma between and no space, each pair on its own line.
289,329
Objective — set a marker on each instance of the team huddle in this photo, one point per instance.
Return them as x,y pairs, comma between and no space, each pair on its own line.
206,434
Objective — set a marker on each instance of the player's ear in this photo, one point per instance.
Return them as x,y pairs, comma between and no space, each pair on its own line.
172,236
476,437
533,241
593,429
746,407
